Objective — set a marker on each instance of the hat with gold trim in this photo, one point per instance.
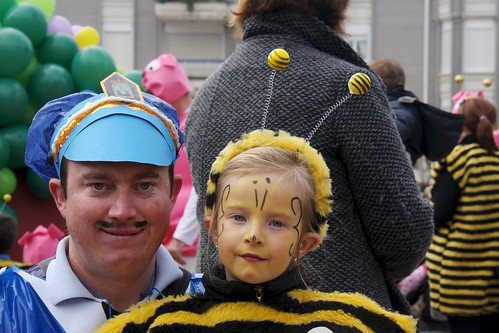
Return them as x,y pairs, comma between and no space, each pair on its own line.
121,125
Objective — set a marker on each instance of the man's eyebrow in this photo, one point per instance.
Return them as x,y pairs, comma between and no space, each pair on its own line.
149,175
95,175
103,176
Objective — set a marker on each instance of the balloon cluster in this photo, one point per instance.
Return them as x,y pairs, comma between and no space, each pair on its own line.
42,57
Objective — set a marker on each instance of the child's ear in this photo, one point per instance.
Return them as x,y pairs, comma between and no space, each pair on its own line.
212,232
309,241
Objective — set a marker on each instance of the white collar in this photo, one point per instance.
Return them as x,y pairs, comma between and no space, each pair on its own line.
65,285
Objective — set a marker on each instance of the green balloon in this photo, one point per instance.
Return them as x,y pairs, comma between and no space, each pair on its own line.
8,181
58,49
25,75
4,152
13,101
4,7
33,108
9,211
91,65
136,76
16,51
16,136
48,82
29,19
37,186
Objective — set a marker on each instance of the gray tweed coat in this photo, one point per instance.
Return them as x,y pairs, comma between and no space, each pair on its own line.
380,227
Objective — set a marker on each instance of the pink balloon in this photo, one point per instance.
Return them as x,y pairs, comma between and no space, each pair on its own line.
59,24
75,28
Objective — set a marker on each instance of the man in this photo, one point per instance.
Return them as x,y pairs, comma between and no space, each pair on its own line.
111,175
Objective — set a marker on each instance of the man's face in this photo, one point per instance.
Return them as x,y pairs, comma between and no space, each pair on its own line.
117,213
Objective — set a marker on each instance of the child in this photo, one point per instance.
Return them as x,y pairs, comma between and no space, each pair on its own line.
268,197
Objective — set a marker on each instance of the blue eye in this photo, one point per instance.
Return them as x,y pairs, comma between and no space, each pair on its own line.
277,224
97,186
145,186
239,218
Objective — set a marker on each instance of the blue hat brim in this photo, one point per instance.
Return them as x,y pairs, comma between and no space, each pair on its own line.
119,135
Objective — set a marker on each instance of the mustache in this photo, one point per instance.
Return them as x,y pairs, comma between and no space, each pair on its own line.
117,225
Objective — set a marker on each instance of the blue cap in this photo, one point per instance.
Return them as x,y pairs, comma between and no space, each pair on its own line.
89,127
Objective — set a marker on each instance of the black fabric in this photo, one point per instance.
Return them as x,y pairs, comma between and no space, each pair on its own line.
445,194
219,289
424,129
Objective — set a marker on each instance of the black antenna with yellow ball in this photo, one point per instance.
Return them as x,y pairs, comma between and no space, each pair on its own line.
278,60
358,84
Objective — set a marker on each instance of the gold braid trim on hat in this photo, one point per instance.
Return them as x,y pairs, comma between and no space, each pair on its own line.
107,102
281,139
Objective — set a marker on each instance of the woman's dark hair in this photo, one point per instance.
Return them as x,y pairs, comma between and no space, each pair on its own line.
479,119
331,12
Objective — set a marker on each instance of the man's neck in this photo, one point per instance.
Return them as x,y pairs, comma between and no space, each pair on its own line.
119,287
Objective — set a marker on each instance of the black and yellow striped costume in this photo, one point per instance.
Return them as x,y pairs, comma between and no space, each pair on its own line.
284,306
463,259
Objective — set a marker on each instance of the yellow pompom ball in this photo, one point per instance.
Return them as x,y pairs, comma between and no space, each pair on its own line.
7,197
359,83
487,82
459,79
278,59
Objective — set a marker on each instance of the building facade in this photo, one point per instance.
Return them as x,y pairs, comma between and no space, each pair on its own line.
434,40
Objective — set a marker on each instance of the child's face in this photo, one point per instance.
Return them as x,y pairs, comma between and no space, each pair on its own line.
260,226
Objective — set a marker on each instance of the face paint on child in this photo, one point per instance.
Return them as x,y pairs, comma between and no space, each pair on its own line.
259,226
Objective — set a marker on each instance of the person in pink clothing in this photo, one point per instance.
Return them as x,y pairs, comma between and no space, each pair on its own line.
165,78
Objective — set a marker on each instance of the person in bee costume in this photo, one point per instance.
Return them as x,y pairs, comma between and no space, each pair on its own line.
463,261
382,225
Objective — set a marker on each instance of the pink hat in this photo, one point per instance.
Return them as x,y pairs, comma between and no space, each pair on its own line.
460,96
165,78
40,244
